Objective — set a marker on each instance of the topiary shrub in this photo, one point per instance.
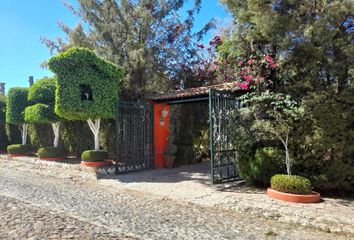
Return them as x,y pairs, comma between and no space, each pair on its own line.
87,87
291,184
51,152
258,167
16,103
19,149
4,141
94,156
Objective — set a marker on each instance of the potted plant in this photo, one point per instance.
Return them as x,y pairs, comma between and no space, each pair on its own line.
291,188
170,155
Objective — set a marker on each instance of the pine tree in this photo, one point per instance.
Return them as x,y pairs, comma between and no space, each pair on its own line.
148,38
312,40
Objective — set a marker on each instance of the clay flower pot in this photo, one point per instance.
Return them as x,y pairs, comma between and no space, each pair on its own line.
169,161
96,164
314,197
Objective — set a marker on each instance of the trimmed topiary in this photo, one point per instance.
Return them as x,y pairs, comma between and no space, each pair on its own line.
51,152
42,93
40,114
15,107
19,149
94,156
291,184
87,87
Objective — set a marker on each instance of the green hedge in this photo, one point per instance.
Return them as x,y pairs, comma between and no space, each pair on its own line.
40,114
78,70
94,156
51,152
19,149
258,167
43,91
291,184
4,142
16,104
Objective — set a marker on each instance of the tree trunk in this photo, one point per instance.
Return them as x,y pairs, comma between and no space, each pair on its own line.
24,130
95,128
56,127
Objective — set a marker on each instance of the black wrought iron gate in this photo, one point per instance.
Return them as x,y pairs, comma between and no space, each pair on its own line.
135,136
222,108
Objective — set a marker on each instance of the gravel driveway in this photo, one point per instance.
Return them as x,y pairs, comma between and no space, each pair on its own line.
36,207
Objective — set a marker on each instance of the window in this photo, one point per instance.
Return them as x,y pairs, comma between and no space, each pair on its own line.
86,92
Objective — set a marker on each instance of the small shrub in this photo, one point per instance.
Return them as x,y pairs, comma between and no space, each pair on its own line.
51,152
94,156
291,184
19,149
258,167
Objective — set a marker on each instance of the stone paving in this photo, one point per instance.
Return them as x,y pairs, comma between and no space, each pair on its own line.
21,220
192,184
28,192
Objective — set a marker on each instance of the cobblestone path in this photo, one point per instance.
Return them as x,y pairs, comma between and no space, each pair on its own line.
37,207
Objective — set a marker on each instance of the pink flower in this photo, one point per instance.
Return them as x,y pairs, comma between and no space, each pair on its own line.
249,69
242,72
250,61
244,86
240,63
247,78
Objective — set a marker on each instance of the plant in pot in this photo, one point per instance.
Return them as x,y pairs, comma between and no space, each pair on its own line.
170,155
87,90
292,189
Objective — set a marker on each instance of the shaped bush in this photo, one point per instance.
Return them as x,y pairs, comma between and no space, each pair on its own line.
87,87
19,149
16,104
51,152
291,184
3,137
43,94
94,156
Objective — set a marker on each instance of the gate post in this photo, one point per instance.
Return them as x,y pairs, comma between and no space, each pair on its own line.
162,114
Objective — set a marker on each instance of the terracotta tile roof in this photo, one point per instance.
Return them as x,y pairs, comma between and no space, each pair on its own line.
194,92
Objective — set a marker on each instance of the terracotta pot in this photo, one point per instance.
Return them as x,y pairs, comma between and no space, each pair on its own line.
314,197
169,161
95,164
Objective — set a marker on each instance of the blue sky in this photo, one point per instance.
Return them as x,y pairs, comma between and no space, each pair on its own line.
23,22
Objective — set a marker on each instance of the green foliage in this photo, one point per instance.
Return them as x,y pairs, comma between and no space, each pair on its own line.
3,137
41,114
148,38
308,39
51,152
257,168
94,156
19,149
16,104
323,149
291,184
40,134
78,67
43,91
